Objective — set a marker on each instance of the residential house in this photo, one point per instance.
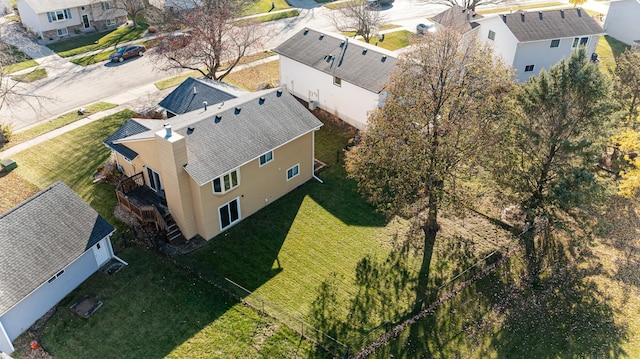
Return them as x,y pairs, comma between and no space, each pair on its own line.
49,244
459,19
5,7
342,76
51,20
623,21
219,164
532,41
193,93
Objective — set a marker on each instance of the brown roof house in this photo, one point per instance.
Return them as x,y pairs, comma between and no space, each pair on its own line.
212,167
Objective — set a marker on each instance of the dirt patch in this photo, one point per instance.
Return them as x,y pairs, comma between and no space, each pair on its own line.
15,190
23,342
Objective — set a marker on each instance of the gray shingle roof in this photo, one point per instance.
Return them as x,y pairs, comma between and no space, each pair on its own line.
41,236
458,19
183,99
41,6
551,24
351,60
222,138
130,128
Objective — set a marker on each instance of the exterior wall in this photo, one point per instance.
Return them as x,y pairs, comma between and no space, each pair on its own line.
622,20
29,18
176,181
505,44
258,187
35,305
5,7
543,56
5,343
148,156
350,103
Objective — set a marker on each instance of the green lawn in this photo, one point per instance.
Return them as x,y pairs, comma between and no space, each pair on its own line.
153,309
272,16
262,6
393,40
608,51
56,123
98,41
35,75
253,77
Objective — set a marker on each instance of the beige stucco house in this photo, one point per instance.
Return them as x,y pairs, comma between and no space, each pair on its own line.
221,163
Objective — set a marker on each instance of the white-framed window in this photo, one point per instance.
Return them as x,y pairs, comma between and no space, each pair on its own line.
492,35
59,15
266,158
555,43
63,32
337,81
293,171
528,68
227,182
229,213
111,22
582,41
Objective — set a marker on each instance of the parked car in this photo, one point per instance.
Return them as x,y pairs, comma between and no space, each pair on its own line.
127,52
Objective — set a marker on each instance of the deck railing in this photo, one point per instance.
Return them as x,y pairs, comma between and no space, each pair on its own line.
145,213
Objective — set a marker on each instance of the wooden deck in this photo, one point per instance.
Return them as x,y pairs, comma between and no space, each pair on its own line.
141,201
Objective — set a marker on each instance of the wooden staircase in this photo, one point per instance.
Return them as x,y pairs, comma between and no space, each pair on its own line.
172,232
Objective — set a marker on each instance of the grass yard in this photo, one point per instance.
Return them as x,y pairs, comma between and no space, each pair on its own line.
153,309
273,16
254,77
608,51
393,40
35,75
262,6
56,123
15,59
98,41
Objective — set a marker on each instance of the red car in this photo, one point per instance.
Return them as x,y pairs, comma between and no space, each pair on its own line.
127,52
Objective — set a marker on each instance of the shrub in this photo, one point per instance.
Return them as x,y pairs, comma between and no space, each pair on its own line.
152,29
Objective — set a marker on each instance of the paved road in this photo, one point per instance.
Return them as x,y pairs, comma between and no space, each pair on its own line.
70,86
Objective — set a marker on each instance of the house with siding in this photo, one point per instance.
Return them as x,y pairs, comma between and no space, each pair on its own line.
459,19
53,20
193,93
339,75
218,164
49,245
623,21
532,41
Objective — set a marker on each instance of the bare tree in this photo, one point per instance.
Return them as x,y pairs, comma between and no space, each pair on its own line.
215,41
133,8
467,4
358,16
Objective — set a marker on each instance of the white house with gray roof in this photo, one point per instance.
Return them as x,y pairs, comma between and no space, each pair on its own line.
623,21
49,245
532,41
342,76
52,20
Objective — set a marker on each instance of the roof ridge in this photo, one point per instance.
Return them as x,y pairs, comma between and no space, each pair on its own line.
28,200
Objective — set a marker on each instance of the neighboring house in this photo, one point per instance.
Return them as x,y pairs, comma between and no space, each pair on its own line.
341,76
532,41
5,7
457,18
623,21
49,244
218,164
55,19
193,93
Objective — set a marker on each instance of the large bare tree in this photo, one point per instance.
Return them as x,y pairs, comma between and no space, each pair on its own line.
438,119
358,16
215,41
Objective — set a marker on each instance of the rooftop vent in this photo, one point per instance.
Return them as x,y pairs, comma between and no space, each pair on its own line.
195,90
579,12
261,100
217,119
321,36
204,105
562,14
364,51
306,31
190,130
279,93
504,18
540,14
341,44
237,110
221,104
384,58
167,129
522,16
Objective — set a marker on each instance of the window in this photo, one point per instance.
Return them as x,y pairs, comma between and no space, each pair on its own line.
581,41
63,32
555,43
226,182
111,22
528,68
293,171
55,276
337,81
154,180
59,15
492,35
266,158
106,6
229,213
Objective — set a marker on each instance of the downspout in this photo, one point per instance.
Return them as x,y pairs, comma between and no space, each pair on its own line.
313,156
